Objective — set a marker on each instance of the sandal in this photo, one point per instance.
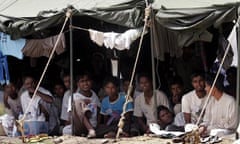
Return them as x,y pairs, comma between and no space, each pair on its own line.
110,135
124,134
91,134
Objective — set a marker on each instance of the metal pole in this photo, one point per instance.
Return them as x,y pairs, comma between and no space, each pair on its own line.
153,63
238,71
71,74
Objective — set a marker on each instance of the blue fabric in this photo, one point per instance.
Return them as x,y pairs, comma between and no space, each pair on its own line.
11,47
4,73
114,109
108,108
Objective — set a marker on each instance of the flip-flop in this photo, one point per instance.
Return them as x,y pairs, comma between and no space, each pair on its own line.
110,135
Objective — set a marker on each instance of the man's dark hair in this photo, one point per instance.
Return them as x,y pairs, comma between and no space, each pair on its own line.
147,75
160,108
29,76
232,70
111,79
219,82
176,80
58,82
83,74
65,75
126,79
197,73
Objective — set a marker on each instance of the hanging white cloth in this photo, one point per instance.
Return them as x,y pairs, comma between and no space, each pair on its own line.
232,38
111,40
96,36
124,40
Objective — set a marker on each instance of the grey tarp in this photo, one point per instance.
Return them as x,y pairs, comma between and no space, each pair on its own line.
189,18
188,21
25,17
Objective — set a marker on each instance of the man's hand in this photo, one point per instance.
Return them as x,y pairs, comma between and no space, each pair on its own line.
6,103
203,131
44,111
87,101
31,90
147,130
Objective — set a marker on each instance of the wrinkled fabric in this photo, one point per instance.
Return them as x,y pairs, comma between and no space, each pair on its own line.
96,36
188,38
43,47
196,19
232,39
36,22
191,23
163,41
4,73
222,47
11,47
221,114
120,41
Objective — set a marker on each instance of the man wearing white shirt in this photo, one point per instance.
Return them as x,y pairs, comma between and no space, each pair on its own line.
144,103
193,101
86,104
221,111
92,103
35,109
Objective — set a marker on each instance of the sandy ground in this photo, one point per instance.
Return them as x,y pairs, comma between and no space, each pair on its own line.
82,140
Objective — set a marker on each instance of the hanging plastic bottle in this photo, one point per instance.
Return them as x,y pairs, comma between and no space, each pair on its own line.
20,115
29,116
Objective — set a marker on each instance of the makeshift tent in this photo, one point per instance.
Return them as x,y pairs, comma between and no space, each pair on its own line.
188,19
22,18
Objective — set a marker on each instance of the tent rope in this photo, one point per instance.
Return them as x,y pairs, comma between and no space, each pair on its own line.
214,82
130,87
21,121
79,28
153,66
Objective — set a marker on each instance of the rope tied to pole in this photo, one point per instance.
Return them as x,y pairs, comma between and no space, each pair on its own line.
214,82
21,121
130,87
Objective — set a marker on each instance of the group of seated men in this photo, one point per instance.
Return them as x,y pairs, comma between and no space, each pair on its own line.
84,113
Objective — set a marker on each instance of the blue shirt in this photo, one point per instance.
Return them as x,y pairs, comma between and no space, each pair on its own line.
11,47
116,107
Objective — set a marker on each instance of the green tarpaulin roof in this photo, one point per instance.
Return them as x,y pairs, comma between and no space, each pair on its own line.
21,18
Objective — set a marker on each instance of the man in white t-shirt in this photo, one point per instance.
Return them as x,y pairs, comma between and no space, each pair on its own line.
221,112
41,108
144,103
193,101
86,104
34,109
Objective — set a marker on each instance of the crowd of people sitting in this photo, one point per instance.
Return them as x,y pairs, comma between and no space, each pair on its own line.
96,114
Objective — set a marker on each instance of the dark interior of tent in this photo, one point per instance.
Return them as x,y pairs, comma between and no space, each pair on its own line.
89,56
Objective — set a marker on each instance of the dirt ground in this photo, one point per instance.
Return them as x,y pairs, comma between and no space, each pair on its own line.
82,140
